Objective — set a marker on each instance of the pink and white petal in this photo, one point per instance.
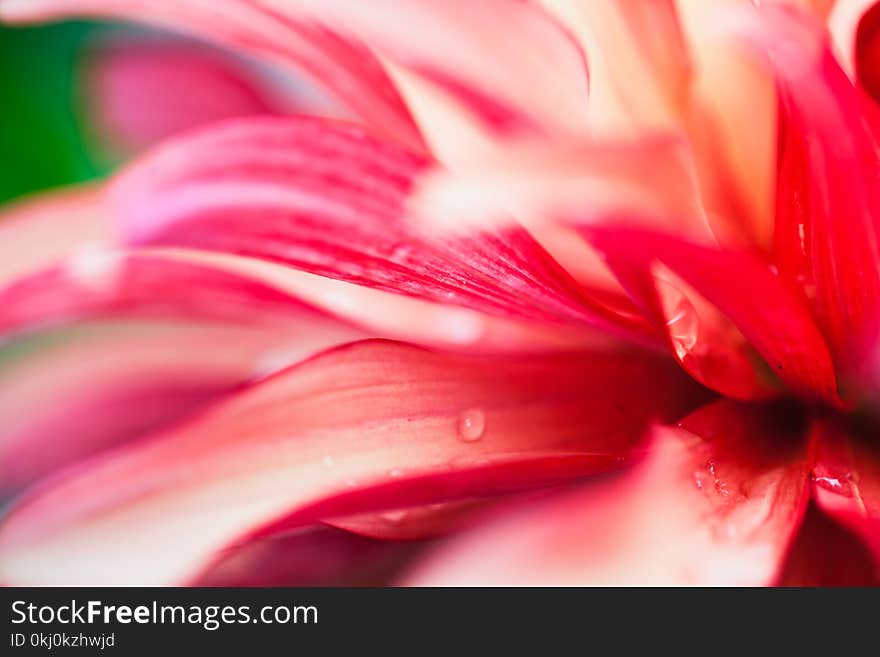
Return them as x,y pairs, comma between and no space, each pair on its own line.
127,83
107,284
527,69
651,180
41,229
396,316
731,122
328,198
716,502
322,440
345,67
639,64
66,396
766,308
846,480
312,556
530,71
453,134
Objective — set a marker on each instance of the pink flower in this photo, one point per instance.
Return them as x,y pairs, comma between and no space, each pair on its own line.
634,238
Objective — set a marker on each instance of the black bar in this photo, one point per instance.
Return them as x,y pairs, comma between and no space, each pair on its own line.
419,621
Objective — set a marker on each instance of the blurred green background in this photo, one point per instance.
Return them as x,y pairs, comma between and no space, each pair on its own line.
42,140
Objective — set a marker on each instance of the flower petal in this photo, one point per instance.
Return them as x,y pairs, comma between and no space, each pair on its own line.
95,284
329,199
313,556
345,67
411,523
530,69
527,66
715,503
396,316
846,480
66,395
312,441
639,65
731,122
844,26
826,554
765,307
650,179
43,228
128,83
828,202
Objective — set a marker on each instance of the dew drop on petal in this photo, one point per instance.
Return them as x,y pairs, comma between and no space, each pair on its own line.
841,484
395,473
682,322
471,425
682,327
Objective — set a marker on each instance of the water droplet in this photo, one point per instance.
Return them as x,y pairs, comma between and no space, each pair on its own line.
840,485
829,483
395,473
471,425
683,323
328,461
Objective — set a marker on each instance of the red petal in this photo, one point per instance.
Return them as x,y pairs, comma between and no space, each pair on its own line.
344,421
846,480
314,556
843,25
128,83
328,198
828,202
769,311
867,50
826,554
714,505
410,523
